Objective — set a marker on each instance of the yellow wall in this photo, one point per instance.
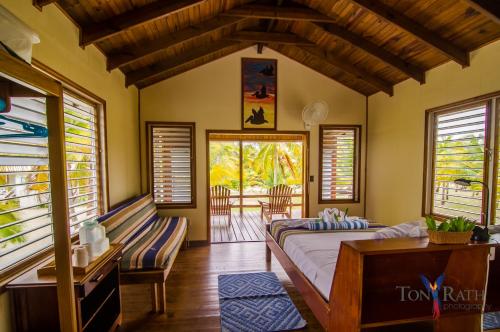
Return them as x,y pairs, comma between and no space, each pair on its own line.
211,97
396,132
60,51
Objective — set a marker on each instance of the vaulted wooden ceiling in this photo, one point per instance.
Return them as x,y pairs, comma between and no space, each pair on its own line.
367,45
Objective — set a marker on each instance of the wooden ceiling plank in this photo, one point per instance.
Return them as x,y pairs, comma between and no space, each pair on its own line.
131,54
161,67
132,18
489,8
374,50
270,37
429,37
353,70
279,13
39,4
281,51
175,71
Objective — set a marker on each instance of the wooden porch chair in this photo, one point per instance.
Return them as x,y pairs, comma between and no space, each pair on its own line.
280,202
219,202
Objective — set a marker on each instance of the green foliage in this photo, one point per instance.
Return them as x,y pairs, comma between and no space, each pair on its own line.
264,164
455,224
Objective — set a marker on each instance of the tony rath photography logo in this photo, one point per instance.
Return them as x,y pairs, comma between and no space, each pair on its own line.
444,298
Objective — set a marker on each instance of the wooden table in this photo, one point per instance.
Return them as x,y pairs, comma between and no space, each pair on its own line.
97,295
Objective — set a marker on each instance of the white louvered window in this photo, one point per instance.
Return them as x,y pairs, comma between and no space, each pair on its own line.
81,123
172,176
462,143
25,203
339,163
25,198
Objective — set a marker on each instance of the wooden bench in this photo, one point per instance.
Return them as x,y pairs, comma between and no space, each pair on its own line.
151,244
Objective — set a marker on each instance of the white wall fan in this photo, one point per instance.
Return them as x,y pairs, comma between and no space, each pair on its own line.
314,113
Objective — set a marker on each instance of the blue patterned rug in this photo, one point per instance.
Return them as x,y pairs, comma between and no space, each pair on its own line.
256,302
491,320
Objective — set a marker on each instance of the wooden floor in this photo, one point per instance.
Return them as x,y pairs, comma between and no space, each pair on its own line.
193,303
244,228
192,299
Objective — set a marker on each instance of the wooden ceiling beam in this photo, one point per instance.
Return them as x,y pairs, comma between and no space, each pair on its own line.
284,51
279,13
269,37
415,29
131,54
166,65
350,69
132,18
489,8
39,4
187,66
374,50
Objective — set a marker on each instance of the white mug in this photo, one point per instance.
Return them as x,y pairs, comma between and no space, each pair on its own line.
81,256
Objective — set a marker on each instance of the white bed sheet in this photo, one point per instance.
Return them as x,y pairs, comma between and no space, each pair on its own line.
316,255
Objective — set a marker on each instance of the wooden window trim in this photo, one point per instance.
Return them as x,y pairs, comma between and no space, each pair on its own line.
149,166
356,162
79,92
492,103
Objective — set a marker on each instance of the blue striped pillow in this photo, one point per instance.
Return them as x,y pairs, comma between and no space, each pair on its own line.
341,225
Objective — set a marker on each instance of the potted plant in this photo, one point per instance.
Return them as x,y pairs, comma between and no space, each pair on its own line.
457,230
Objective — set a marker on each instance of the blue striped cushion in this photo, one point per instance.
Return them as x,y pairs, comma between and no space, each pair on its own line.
340,225
148,239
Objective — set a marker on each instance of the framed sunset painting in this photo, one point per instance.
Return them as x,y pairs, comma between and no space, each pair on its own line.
259,92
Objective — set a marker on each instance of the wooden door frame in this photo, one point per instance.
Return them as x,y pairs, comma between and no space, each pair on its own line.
305,162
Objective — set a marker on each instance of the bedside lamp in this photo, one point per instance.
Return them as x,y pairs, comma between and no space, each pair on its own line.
479,234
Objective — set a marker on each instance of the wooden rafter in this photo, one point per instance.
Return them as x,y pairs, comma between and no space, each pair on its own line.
132,18
374,50
161,67
429,37
279,13
39,4
189,65
270,37
489,8
131,54
284,50
350,69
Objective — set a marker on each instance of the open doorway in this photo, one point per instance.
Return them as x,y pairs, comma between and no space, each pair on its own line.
253,179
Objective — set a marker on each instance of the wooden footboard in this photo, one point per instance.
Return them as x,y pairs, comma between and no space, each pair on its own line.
378,283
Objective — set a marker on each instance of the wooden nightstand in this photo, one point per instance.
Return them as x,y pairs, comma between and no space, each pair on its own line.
98,304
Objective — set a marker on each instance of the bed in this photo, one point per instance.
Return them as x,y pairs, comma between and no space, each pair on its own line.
352,282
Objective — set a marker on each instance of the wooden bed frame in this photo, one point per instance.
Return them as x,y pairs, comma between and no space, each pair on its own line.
364,294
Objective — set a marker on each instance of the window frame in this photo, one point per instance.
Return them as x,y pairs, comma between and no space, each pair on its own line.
149,150
491,102
356,163
78,92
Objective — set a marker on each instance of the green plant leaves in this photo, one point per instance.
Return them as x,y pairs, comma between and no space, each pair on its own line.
455,224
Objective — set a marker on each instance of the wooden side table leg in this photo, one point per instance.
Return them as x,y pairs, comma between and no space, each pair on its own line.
268,254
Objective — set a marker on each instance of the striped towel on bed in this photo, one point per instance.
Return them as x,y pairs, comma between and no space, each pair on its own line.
320,225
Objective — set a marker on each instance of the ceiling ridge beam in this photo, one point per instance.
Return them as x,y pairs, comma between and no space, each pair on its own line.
269,37
374,50
132,18
163,77
279,13
350,69
132,54
489,8
279,49
163,66
429,37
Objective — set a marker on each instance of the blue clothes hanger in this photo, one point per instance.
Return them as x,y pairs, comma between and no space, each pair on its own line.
34,130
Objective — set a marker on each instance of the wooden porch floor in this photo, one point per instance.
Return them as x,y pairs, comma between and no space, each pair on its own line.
244,228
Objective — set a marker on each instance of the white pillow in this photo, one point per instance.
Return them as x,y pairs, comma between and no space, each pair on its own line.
409,229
